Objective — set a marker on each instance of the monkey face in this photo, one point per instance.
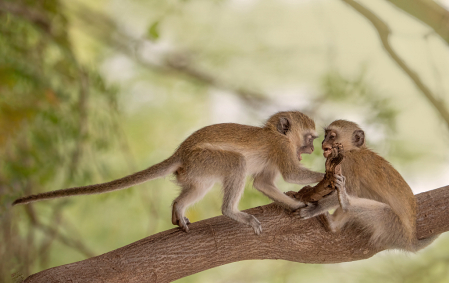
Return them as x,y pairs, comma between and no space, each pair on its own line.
329,139
300,136
306,145
344,132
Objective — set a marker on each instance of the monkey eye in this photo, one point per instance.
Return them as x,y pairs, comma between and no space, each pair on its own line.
309,138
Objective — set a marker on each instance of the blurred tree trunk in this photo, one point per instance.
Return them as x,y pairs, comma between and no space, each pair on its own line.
173,254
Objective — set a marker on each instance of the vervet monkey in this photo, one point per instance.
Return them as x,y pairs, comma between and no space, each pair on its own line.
370,193
226,153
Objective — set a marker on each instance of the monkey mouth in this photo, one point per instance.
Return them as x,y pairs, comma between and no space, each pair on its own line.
327,152
299,156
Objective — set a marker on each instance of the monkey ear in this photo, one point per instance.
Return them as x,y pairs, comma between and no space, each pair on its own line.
358,138
283,126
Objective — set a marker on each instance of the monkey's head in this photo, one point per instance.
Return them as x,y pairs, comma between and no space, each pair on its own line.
349,134
297,127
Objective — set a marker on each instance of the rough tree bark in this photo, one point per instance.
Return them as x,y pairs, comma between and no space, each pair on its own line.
173,254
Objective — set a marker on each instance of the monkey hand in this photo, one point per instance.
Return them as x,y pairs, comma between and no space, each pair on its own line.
334,150
337,149
333,161
311,210
336,155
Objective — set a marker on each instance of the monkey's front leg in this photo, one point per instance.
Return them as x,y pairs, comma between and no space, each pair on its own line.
265,184
304,176
333,222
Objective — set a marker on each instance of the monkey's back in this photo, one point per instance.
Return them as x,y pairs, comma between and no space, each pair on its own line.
226,141
371,176
229,134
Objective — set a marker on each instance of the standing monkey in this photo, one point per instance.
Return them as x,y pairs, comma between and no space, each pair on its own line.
371,193
226,153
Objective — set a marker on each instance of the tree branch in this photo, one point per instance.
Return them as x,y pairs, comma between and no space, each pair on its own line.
102,28
384,33
173,254
429,12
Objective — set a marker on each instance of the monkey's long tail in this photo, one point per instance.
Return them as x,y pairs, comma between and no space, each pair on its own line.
164,168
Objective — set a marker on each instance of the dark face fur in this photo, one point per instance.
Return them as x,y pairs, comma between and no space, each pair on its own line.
307,144
303,141
330,137
347,133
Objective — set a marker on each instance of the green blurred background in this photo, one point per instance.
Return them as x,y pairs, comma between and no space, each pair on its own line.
91,91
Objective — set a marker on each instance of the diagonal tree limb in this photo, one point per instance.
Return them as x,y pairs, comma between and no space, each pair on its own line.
384,34
429,12
173,254
103,28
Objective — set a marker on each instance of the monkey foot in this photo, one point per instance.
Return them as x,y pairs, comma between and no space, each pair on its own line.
184,227
183,224
256,225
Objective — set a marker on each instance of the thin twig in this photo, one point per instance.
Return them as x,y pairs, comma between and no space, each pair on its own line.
429,12
82,122
47,229
47,242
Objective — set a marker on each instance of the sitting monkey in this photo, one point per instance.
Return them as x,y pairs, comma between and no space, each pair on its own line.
226,153
371,193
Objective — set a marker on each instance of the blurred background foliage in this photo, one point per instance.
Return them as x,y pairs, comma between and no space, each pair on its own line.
93,90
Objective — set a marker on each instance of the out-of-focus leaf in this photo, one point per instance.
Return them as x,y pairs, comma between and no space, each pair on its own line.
45,117
153,31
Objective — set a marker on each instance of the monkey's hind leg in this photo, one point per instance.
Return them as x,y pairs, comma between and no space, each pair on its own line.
191,193
233,186
264,183
334,222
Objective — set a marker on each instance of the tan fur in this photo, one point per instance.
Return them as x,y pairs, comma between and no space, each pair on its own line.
371,193
226,153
